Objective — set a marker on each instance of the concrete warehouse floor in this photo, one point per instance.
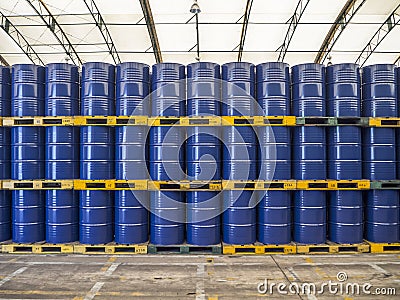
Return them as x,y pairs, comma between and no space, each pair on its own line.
186,276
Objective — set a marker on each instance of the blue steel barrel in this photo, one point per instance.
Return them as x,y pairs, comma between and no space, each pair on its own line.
343,92
309,217
27,153
5,167
203,154
203,89
132,89
379,91
379,150
346,217
308,90
97,89
309,153
27,90
238,89
167,218
62,153
382,216
344,153
131,215
62,90
168,90
166,155
274,218
273,88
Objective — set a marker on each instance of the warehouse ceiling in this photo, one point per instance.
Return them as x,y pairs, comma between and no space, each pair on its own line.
44,31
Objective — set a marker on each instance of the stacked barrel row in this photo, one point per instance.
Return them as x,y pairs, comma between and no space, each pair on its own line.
199,153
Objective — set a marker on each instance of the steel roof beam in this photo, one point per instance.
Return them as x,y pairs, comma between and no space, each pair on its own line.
244,28
148,16
20,40
342,20
294,21
40,8
391,22
101,24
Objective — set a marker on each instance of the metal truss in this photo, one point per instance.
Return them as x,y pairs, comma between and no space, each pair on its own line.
148,16
41,9
294,21
244,28
101,24
20,40
391,22
343,19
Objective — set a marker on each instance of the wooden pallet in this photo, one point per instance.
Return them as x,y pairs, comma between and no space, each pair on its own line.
184,249
258,249
333,248
384,247
38,248
111,248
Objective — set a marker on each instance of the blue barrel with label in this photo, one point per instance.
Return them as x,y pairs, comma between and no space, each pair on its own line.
132,95
96,218
166,155
239,157
27,153
203,153
274,154
62,153
309,152
382,216
5,167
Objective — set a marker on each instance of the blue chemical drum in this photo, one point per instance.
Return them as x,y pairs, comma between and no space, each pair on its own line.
382,216
62,90
346,217
27,91
309,153
203,218
379,91
309,217
28,216
379,152
131,217
203,89
308,90
130,152
62,216
274,217
168,90
343,90
273,88
239,217
27,153
166,155
238,89
344,152
167,218
96,218
62,152
5,167
239,153
97,152
274,153
98,89
132,89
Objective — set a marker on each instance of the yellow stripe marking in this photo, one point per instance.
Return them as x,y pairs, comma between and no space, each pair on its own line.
309,260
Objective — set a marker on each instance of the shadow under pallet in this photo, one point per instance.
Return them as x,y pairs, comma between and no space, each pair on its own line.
184,249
